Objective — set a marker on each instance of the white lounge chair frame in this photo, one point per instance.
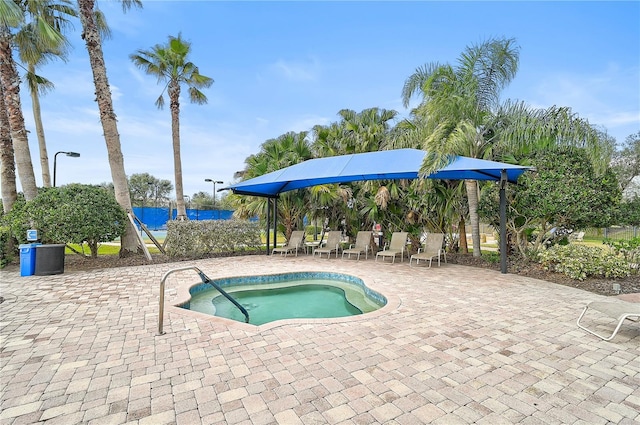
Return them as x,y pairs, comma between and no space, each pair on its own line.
577,237
396,246
618,311
432,248
334,238
295,244
363,244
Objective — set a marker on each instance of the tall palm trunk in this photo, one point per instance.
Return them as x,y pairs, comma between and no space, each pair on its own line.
174,96
91,36
472,195
11,93
7,164
42,144
462,229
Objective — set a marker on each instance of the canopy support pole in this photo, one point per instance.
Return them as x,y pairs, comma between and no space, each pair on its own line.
503,222
268,225
275,222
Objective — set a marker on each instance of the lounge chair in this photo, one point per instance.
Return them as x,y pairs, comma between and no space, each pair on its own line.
432,248
363,244
396,246
295,243
333,244
616,310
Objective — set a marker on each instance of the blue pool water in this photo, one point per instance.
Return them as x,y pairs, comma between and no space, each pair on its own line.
286,296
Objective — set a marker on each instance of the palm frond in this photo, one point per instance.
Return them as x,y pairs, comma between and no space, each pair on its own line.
128,4
196,96
102,25
416,81
11,15
160,102
38,83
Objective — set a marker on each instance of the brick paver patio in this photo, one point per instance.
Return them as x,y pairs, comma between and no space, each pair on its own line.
453,345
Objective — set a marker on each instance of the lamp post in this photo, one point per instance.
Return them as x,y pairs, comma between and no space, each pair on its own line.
55,158
187,198
214,189
151,190
144,197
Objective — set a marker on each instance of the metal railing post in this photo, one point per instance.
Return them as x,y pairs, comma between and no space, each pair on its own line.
162,284
205,280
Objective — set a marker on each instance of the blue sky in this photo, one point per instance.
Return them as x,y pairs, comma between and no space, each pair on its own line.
287,66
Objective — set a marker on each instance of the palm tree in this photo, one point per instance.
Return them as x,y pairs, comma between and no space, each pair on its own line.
33,53
13,16
91,34
327,139
170,64
288,149
457,102
365,131
10,16
7,165
358,132
460,114
521,130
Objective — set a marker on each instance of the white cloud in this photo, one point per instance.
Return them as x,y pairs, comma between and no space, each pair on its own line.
130,22
138,75
306,123
116,93
72,82
297,71
624,118
608,98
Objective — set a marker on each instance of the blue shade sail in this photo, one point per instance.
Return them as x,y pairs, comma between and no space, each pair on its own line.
382,165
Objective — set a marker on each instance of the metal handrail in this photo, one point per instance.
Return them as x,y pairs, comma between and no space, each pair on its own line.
205,279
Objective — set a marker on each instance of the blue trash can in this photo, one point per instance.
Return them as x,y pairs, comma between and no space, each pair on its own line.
28,259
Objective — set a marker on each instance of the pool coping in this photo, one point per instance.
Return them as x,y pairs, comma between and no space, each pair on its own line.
183,295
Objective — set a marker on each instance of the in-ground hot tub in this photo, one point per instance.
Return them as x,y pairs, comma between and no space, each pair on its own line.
301,295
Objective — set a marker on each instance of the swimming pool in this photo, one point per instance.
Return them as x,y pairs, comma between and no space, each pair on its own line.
302,295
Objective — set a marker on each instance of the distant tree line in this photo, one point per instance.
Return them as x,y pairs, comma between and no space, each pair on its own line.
459,112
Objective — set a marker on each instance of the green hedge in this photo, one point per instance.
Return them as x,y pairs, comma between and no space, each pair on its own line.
199,238
629,249
7,250
579,262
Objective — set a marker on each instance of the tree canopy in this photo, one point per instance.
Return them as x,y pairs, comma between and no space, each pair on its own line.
74,213
563,193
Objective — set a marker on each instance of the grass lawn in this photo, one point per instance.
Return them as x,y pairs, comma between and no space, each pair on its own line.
591,242
103,249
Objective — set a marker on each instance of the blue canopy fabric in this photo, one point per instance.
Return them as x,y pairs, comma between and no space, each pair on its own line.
381,165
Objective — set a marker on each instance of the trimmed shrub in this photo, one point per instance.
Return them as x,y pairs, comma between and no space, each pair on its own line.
7,250
74,213
16,221
579,262
629,249
199,238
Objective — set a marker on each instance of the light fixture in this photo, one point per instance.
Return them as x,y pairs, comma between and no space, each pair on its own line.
214,189
55,158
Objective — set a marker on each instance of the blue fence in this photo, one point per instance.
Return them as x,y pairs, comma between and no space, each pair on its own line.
156,218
